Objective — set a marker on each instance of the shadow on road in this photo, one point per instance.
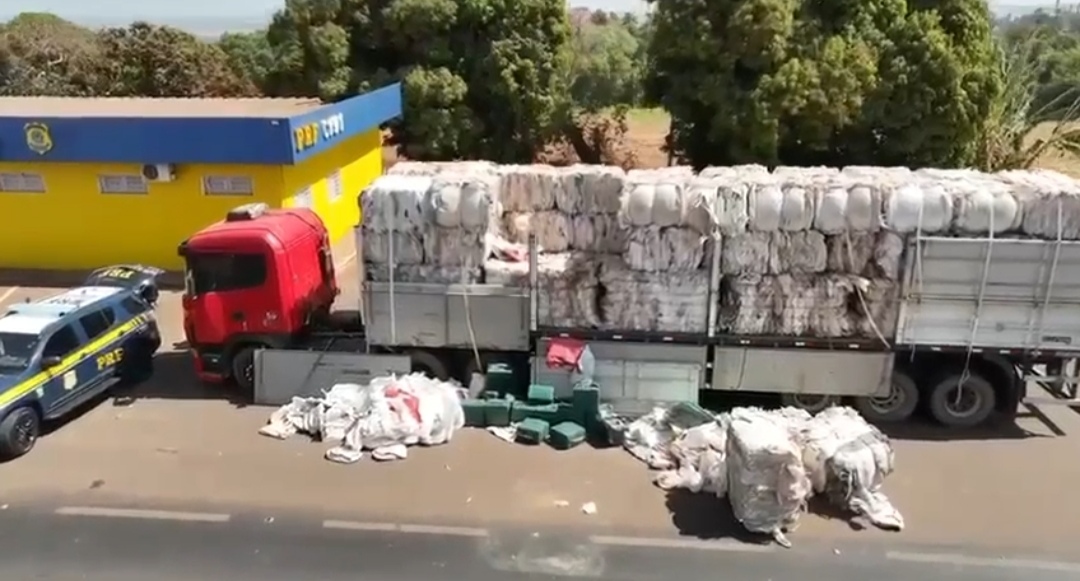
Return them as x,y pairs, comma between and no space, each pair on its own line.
174,378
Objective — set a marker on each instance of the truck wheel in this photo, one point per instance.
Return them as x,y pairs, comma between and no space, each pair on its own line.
243,369
19,432
811,402
896,406
429,364
963,405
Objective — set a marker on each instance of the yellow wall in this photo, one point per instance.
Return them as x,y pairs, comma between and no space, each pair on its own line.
74,226
360,160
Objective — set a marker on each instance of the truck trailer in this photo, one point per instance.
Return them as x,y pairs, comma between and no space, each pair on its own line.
979,321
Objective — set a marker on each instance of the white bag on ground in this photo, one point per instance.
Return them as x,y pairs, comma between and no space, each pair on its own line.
767,483
848,459
700,456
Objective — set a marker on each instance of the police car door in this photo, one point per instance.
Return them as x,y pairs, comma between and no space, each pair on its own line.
61,387
101,362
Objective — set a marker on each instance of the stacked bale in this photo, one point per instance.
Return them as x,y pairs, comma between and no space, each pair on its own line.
429,228
660,282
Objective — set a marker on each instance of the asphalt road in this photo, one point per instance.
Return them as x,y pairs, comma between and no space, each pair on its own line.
37,545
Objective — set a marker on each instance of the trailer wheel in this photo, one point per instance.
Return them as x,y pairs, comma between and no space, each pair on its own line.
957,402
429,364
810,402
896,406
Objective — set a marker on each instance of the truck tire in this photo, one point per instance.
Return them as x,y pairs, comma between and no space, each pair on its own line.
429,364
811,402
974,406
242,368
19,432
896,406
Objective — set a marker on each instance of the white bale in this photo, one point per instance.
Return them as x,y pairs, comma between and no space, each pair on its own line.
919,207
847,460
659,174
396,202
877,307
767,482
568,290
675,302
747,305
424,273
806,174
528,188
733,207
731,171
466,201
882,175
796,208
455,247
797,252
746,253
590,189
1051,202
597,233
874,255
553,229
413,168
655,249
700,200
653,204
847,206
766,206
408,247
813,306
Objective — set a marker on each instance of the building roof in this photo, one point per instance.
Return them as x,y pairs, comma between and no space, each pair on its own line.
22,107
186,131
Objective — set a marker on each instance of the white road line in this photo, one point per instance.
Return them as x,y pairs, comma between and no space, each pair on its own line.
359,526
419,529
701,545
441,530
7,294
964,560
141,513
341,264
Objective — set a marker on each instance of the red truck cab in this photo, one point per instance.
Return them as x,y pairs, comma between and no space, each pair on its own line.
257,279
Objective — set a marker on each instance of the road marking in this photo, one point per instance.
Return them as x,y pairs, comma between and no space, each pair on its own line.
441,530
141,513
405,528
341,264
701,545
7,294
956,559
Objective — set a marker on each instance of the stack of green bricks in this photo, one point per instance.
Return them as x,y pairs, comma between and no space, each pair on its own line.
539,417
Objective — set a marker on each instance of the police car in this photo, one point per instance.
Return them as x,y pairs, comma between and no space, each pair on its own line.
59,352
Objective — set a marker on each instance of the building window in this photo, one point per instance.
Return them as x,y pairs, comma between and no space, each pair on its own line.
26,183
228,186
122,184
334,185
303,198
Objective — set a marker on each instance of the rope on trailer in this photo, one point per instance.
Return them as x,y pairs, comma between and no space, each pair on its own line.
468,315
859,293
965,375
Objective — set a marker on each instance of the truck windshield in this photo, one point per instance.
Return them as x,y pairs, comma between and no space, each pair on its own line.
16,350
220,272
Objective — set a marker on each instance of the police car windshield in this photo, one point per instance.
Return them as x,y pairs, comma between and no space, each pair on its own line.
16,349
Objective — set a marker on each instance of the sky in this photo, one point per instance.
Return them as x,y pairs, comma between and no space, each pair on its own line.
120,11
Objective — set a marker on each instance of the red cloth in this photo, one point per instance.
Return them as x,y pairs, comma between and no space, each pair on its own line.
565,353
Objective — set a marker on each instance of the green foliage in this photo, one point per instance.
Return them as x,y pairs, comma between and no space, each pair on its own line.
42,54
828,82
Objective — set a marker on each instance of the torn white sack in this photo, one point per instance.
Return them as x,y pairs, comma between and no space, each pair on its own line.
700,458
847,459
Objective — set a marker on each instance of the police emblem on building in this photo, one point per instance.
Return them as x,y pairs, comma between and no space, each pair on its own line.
38,138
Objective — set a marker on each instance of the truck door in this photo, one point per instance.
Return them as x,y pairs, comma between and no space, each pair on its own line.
226,294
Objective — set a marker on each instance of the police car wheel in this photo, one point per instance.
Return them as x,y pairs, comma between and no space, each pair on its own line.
19,432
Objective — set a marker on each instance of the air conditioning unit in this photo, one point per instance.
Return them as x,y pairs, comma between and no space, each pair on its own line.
158,172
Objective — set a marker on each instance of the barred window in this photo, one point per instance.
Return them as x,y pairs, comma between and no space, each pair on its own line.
303,198
334,186
24,183
122,184
228,186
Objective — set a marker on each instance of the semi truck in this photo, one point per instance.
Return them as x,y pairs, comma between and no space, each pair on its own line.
980,322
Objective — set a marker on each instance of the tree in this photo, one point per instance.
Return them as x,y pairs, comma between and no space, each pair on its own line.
145,60
828,82
249,56
44,55
482,78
